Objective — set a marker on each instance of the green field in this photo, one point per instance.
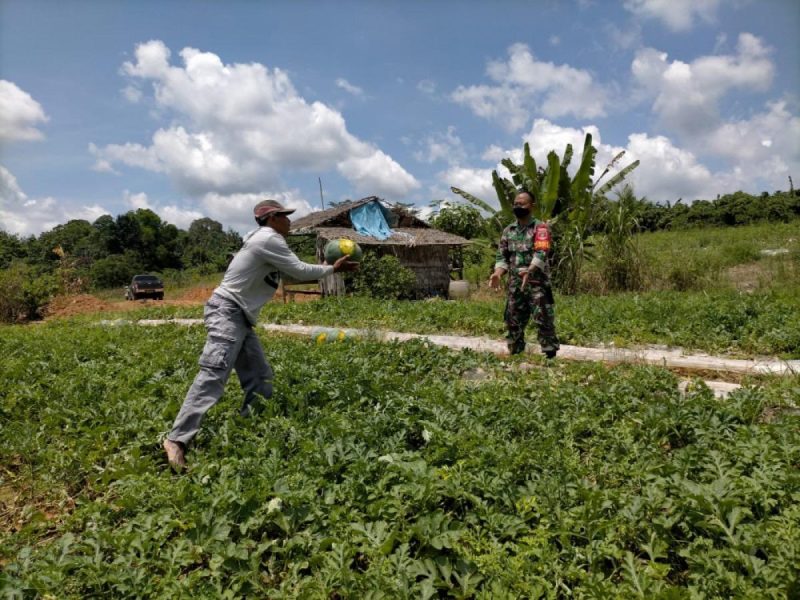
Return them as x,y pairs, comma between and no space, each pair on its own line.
387,471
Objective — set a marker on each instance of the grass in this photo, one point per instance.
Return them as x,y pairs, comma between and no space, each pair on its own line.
704,259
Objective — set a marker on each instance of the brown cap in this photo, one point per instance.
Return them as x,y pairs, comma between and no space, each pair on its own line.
267,208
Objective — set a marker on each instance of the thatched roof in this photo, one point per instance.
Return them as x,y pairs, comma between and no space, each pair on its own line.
409,230
402,236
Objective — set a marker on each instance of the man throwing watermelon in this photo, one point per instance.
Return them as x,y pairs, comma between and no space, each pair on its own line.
230,314
524,252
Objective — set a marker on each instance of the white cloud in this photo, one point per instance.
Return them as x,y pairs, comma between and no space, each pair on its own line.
626,36
426,86
349,87
238,128
686,96
761,150
476,181
20,114
677,15
376,173
236,210
766,146
524,85
446,147
132,94
666,172
22,215
170,213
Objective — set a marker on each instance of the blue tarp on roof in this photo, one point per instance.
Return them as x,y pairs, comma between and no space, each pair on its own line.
370,219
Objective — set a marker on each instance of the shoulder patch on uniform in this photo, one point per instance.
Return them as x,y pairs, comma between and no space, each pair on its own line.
542,238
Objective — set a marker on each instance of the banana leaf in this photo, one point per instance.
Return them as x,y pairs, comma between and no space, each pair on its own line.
514,169
581,184
549,189
616,178
473,200
609,166
567,157
530,176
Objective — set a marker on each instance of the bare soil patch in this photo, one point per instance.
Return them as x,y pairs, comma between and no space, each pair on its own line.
81,304
747,277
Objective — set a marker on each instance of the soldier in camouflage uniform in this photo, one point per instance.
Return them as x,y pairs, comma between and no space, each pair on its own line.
524,253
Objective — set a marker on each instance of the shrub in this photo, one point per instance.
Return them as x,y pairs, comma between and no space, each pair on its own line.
114,270
24,292
382,277
478,262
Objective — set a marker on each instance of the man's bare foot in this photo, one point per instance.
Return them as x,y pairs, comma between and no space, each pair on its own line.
175,454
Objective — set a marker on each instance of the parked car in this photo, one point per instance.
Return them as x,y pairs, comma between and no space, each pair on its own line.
145,286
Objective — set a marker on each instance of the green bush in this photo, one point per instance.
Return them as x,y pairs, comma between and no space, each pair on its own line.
382,277
114,270
24,292
478,263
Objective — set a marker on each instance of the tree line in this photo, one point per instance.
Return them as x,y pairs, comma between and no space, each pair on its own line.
738,208
80,256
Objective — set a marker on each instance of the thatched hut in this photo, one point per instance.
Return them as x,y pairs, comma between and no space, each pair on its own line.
426,251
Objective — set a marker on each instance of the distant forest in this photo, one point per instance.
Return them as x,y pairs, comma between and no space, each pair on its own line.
110,251
738,208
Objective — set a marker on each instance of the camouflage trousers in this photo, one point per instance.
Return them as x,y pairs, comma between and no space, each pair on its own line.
534,302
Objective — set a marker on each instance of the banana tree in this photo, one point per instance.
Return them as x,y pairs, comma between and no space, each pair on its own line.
570,204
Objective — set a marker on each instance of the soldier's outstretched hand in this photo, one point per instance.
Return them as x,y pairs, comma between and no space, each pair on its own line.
494,279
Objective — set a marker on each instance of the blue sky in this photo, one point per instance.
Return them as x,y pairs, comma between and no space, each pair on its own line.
200,109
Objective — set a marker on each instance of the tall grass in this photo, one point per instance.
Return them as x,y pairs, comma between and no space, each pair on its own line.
703,259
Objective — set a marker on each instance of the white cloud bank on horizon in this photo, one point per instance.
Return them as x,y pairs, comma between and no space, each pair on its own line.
234,211
20,116
24,216
237,128
666,172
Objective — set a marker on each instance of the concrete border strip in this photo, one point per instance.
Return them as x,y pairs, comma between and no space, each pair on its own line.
669,358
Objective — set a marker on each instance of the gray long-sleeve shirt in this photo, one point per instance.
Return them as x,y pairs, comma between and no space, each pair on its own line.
255,272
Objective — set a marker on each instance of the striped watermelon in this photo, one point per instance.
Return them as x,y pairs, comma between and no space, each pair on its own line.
335,249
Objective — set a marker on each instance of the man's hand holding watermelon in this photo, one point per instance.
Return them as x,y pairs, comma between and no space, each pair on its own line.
344,263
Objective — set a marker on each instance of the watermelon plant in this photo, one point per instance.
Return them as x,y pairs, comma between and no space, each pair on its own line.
386,471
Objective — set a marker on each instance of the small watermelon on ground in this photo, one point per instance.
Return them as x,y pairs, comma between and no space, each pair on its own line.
335,249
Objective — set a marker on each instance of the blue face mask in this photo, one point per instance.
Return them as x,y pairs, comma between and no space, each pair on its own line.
521,211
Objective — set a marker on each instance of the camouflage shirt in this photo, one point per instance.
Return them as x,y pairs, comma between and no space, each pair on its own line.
516,254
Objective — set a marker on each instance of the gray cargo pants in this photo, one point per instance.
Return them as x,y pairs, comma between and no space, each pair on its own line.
231,344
